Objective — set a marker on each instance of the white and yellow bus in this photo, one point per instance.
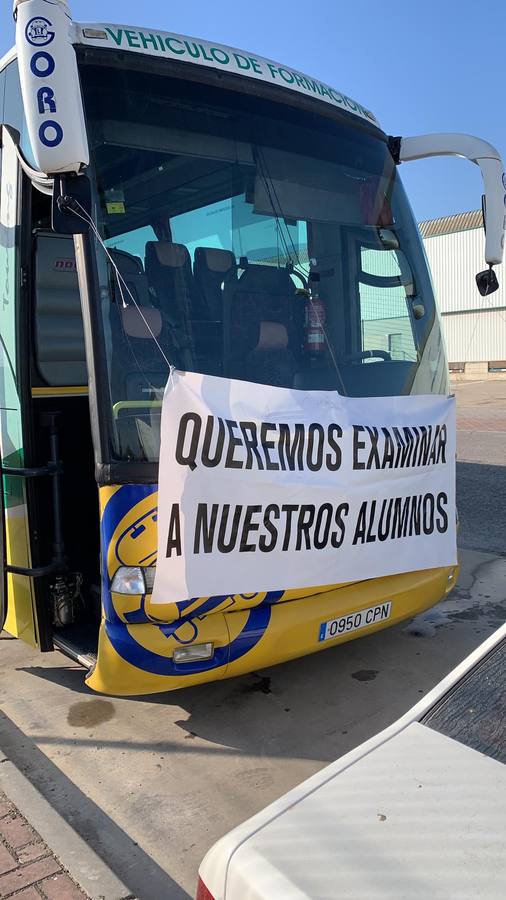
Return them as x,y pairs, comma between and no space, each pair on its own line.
257,219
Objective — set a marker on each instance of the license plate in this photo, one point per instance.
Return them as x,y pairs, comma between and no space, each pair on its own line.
354,621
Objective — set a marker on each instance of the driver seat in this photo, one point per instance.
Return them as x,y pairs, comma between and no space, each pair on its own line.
263,326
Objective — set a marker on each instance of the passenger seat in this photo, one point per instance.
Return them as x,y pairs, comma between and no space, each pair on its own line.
139,370
172,290
212,268
132,272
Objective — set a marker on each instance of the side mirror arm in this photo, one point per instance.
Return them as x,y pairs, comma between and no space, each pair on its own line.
491,166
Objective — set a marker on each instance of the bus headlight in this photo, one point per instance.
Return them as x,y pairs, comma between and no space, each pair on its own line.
134,580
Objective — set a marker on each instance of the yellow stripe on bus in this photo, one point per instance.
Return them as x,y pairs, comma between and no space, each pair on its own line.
76,391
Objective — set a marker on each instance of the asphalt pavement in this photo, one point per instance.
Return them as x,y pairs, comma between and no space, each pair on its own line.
150,783
481,467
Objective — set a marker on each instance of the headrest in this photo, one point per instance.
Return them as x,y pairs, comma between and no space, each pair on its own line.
144,326
273,336
126,263
214,259
167,254
266,279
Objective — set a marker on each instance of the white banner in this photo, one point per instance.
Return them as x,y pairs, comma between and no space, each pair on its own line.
265,488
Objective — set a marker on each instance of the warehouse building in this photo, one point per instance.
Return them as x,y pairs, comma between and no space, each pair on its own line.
474,326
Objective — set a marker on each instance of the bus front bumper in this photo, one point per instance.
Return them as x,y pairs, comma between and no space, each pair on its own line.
138,658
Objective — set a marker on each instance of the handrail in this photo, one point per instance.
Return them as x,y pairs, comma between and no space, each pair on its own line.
134,404
50,469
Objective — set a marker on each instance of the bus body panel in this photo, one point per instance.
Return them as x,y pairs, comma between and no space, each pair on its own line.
21,620
137,659
248,632
129,538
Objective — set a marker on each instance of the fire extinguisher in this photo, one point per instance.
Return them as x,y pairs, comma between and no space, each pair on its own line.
314,341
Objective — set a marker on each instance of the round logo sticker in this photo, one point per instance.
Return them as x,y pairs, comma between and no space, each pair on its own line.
37,32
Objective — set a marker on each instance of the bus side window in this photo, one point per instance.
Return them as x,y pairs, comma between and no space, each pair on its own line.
385,321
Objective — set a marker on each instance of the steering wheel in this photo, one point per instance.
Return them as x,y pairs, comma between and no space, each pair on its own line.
368,354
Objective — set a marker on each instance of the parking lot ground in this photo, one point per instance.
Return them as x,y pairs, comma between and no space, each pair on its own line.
481,467
150,783
481,421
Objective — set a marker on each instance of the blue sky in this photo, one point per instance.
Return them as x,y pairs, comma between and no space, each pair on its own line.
421,67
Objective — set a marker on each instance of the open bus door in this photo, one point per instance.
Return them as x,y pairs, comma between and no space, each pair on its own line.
3,587
19,612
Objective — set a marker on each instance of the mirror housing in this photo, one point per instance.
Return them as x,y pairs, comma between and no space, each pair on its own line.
487,282
50,86
490,163
71,204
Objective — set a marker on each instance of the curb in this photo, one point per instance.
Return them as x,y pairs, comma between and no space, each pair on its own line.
83,864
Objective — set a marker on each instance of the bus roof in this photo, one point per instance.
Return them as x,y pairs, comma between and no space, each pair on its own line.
153,42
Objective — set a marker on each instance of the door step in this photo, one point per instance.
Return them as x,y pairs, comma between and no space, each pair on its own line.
69,649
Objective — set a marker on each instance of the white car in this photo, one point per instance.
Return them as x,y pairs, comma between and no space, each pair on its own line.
417,812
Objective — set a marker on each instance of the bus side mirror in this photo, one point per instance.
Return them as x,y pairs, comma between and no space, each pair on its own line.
487,282
71,206
488,159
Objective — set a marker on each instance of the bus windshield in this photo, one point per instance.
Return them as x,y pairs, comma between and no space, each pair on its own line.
249,239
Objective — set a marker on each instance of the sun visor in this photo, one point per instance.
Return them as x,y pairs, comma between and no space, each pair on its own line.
50,86
293,186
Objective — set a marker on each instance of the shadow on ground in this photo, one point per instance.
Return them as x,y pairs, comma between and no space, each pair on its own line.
143,877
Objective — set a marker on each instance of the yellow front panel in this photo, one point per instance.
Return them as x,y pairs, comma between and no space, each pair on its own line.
294,627
248,631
